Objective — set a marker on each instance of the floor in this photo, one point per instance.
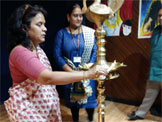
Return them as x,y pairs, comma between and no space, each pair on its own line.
114,112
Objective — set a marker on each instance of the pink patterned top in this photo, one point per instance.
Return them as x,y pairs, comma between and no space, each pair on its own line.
24,64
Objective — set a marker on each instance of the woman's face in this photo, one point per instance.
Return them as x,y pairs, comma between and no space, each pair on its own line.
37,30
75,18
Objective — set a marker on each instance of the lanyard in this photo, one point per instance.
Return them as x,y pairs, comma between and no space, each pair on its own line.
76,46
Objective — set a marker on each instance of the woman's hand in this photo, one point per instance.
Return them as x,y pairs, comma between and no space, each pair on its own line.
96,71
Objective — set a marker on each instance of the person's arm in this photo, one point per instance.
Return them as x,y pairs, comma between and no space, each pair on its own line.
93,53
29,65
62,78
57,52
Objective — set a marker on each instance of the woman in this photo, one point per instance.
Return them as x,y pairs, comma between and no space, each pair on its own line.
33,95
77,44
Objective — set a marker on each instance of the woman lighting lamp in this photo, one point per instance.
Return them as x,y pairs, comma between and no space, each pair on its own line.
33,95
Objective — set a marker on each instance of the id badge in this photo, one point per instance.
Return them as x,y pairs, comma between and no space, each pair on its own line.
77,59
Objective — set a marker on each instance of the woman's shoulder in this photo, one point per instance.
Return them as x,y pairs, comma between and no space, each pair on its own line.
19,50
62,30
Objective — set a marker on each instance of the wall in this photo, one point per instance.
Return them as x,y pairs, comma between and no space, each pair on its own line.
133,52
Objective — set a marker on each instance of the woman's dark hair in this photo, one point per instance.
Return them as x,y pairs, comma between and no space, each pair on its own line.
18,22
71,7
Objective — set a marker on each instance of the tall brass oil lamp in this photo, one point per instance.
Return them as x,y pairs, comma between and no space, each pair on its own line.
97,13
